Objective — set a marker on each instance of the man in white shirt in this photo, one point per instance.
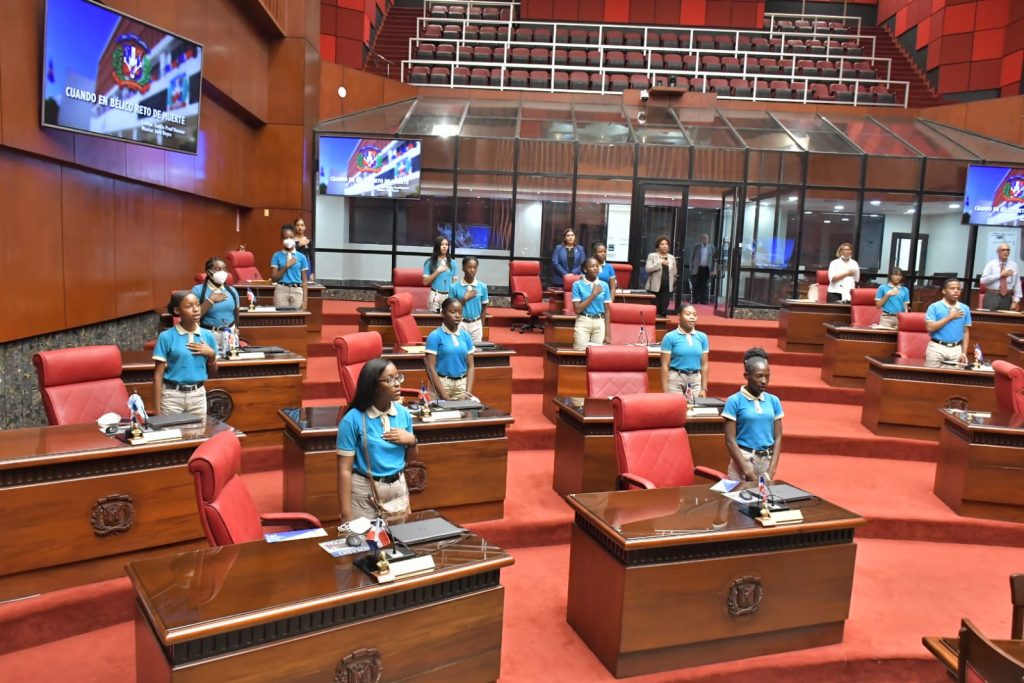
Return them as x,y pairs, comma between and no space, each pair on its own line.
843,274
1002,282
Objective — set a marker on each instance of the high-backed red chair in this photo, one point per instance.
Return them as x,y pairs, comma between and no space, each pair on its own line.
1009,386
821,277
623,274
242,264
80,384
616,370
979,295
863,310
627,321
911,335
527,293
651,445
226,509
410,281
200,278
568,280
407,332
352,351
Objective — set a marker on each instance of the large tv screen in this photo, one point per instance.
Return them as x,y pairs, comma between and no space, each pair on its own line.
366,167
994,196
108,74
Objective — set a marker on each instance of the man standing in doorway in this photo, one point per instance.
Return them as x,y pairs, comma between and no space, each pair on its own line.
702,267
1002,282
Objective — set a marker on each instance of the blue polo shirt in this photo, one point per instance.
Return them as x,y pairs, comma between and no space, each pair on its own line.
473,308
687,349
221,313
581,290
292,276
755,429
388,458
451,351
606,274
897,303
183,366
443,282
953,331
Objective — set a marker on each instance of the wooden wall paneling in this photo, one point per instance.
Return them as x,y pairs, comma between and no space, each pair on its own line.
249,59
207,229
180,168
262,234
311,86
218,169
145,164
134,257
169,267
31,234
364,90
277,167
90,286
1000,118
331,77
102,154
287,60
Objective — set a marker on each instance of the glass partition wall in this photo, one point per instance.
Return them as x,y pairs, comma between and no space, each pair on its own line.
776,192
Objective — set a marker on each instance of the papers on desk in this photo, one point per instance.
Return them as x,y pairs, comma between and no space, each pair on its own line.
880,326
263,309
415,348
440,416
339,547
725,485
702,411
156,436
249,355
294,535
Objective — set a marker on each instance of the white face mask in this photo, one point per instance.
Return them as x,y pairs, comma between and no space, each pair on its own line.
220,277
288,243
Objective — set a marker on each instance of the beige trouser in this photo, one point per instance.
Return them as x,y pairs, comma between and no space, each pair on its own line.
678,382
475,329
286,296
889,320
435,299
175,401
455,388
762,465
362,503
587,331
935,353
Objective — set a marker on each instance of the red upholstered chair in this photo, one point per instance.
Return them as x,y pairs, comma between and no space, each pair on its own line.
242,264
80,384
200,278
616,370
568,280
226,509
623,275
651,445
821,277
627,320
863,310
979,295
410,281
527,293
1009,386
406,330
911,335
352,351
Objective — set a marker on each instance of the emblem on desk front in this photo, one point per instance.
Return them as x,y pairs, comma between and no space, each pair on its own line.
416,476
361,666
113,514
219,404
745,596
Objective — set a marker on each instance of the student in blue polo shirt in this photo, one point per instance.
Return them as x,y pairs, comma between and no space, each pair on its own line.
289,270
590,297
437,273
449,355
185,358
684,357
217,299
753,422
371,479
947,321
473,295
893,298
599,250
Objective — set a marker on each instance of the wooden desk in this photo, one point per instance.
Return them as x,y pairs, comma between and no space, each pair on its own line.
1015,353
290,612
379,320
459,469
558,328
947,650
902,396
980,472
843,362
286,329
565,374
585,448
264,291
556,297
669,578
801,324
493,375
991,329
70,493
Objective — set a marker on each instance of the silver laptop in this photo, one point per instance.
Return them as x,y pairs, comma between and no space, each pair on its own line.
425,530
164,421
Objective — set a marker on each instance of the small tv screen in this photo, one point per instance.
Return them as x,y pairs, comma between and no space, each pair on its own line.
994,196
368,167
106,73
466,236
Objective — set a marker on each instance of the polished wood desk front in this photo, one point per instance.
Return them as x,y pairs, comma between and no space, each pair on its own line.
565,374
947,650
492,383
246,392
668,578
991,329
264,291
558,328
275,612
556,297
379,320
980,472
843,362
459,470
902,396
801,323
1015,353
585,447
286,329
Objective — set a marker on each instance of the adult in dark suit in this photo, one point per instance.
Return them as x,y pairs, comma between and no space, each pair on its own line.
702,267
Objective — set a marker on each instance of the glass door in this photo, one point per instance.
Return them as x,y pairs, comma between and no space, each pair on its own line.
726,238
660,214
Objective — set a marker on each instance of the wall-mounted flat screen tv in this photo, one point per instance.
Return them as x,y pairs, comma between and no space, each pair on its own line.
369,167
106,73
994,196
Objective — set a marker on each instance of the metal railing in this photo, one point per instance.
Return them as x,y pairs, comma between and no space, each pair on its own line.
377,58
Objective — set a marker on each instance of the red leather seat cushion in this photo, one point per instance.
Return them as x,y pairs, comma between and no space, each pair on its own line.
626,320
863,310
352,351
911,336
406,329
616,370
80,384
228,510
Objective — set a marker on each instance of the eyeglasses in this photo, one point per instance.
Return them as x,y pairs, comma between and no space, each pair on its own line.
394,380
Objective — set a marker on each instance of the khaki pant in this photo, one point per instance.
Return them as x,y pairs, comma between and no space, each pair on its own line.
889,320
286,296
175,401
435,299
935,353
475,329
455,388
587,331
679,382
762,465
362,502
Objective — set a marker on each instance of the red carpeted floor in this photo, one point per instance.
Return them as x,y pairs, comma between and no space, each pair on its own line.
920,567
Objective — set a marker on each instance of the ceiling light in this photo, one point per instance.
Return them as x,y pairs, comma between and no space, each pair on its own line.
838,207
342,93
445,130
910,210
827,220
807,213
792,198
954,206
846,220
876,202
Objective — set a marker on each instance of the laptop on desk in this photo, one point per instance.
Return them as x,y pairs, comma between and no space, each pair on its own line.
164,421
425,530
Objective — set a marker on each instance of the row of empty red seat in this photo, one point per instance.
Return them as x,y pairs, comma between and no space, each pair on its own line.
488,12
810,26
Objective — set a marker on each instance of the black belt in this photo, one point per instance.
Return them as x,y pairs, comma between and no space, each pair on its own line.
438,291
183,387
592,315
951,345
388,479
453,378
216,328
290,284
759,452
686,372
470,320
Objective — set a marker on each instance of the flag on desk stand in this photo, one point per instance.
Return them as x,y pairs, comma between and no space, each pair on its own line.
137,408
762,488
250,296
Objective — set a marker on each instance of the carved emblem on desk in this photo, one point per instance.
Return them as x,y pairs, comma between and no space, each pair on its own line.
745,596
219,404
416,476
361,666
113,515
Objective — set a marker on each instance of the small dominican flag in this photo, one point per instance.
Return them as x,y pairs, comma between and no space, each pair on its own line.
250,296
137,408
424,397
762,488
